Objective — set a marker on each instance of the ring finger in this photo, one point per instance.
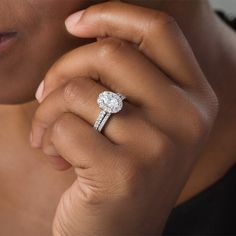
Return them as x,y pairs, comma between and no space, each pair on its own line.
79,96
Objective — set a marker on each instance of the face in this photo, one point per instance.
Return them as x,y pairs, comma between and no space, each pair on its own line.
38,38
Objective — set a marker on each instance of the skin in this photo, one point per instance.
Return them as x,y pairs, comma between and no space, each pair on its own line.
44,29
115,197
22,115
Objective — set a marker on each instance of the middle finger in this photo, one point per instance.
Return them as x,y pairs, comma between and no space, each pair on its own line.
117,65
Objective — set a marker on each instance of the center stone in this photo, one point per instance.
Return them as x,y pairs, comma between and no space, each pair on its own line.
110,102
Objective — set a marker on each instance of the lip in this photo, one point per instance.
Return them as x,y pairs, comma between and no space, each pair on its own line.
7,40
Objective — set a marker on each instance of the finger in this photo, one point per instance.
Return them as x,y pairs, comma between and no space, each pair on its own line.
156,34
115,64
79,96
79,144
54,158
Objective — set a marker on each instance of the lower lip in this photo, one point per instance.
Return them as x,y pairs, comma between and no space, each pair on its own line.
6,41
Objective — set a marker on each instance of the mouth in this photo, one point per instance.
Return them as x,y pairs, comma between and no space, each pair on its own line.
7,39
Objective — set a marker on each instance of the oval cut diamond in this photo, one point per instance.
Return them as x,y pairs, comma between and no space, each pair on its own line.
110,102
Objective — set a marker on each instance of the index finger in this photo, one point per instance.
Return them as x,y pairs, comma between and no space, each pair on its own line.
156,34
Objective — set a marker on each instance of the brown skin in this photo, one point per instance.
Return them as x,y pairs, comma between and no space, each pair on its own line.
18,162
120,175
42,39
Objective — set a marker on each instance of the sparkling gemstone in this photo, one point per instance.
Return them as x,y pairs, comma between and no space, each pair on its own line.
110,102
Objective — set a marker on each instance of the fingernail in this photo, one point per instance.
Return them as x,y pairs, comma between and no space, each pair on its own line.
39,92
73,20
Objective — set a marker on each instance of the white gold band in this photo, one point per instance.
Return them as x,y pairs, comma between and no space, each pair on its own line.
101,115
105,119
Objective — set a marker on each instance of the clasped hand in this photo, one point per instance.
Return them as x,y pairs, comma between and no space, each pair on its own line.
130,175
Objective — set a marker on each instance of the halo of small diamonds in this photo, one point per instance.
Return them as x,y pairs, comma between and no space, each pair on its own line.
110,102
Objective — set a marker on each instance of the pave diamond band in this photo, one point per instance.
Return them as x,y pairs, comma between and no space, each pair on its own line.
109,103
105,119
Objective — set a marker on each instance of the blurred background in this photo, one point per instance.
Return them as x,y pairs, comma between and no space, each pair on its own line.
228,6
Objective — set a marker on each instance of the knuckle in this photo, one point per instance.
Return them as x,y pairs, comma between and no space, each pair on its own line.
212,102
159,21
71,91
160,145
155,143
199,124
214,105
110,47
60,125
79,91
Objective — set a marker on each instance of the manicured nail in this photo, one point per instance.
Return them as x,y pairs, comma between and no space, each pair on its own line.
39,92
73,20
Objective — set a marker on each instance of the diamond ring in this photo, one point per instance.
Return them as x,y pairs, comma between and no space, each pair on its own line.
109,103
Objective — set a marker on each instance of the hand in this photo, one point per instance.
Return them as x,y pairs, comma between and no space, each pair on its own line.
130,175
